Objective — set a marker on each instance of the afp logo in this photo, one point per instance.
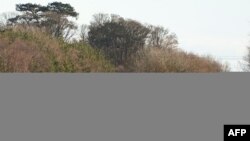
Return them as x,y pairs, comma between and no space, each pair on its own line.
236,132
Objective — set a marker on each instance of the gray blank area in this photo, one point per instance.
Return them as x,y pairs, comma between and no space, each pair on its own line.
122,107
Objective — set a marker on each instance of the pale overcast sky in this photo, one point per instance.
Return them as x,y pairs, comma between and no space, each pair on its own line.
219,28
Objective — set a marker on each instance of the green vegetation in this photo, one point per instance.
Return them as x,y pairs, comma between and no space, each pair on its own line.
43,39
30,50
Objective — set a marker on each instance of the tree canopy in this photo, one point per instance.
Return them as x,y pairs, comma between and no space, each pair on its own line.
53,17
126,45
117,37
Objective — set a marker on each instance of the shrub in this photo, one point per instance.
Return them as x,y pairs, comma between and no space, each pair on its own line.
172,60
28,49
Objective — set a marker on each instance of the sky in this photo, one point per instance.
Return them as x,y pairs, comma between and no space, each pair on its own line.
220,28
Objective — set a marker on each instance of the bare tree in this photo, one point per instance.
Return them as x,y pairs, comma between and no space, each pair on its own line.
246,66
100,19
4,17
84,33
161,38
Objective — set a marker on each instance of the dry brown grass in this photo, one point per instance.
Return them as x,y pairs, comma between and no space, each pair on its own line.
25,49
28,49
173,60
21,56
